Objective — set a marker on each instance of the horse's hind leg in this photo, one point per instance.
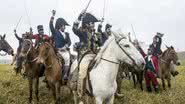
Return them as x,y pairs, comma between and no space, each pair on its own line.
30,89
37,89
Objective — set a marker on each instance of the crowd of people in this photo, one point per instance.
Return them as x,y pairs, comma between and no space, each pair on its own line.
90,41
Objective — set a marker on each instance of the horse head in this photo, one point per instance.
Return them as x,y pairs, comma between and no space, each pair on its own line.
171,55
44,51
128,53
4,46
26,49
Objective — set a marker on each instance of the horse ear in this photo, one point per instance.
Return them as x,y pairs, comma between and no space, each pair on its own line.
4,36
172,47
0,37
167,47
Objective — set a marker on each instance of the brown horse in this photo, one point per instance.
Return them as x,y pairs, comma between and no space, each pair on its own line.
31,68
4,46
168,57
48,57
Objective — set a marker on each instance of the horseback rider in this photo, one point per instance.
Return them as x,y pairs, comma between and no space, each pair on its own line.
104,35
62,42
151,70
40,37
17,58
156,45
86,33
88,44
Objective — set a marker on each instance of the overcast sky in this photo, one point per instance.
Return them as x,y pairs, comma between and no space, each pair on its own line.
147,17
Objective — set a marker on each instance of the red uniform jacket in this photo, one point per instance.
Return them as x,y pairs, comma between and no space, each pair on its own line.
153,59
36,37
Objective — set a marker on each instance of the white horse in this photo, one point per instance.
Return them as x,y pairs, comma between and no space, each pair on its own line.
117,49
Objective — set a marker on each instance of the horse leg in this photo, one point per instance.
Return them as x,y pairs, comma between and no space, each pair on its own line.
169,82
75,97
52,86
37,88
140,79
57,86
110,100
163,84
30,89
134,79
99,100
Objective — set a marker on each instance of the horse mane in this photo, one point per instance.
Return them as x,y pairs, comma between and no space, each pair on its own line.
103,48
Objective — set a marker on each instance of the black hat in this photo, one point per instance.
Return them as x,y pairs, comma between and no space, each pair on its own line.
61,21
39,27
108,26
89,18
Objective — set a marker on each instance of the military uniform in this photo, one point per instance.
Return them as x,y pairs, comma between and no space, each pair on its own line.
151,71
62,43
156,45
88,44
103,36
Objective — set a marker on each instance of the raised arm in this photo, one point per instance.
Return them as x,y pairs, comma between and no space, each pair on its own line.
53,31
75,28
142,52
17,35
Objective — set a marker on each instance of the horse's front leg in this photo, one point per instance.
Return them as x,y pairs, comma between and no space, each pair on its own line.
140,79
110,100
37,88
169,82
163,83
58,88
75,97
134,79
99,100
30,89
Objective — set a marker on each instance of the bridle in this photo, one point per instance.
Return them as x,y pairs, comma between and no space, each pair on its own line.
166,60
48,51
3,54
124,52
30,47
5,50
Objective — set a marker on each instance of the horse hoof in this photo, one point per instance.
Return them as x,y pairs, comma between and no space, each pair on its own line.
81,102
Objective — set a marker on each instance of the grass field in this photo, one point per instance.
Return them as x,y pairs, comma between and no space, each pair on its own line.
14,90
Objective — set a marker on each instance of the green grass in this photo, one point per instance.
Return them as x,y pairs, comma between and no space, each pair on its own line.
14,90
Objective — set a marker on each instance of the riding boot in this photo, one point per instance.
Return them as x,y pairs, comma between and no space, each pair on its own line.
149,89
156,89
66,73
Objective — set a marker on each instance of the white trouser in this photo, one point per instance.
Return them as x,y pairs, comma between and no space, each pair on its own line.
66,56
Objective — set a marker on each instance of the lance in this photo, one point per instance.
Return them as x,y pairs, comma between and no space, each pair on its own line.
18,22
133,31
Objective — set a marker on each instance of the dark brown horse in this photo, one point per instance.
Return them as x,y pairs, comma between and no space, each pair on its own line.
53,72
168,57
31,68
4,46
